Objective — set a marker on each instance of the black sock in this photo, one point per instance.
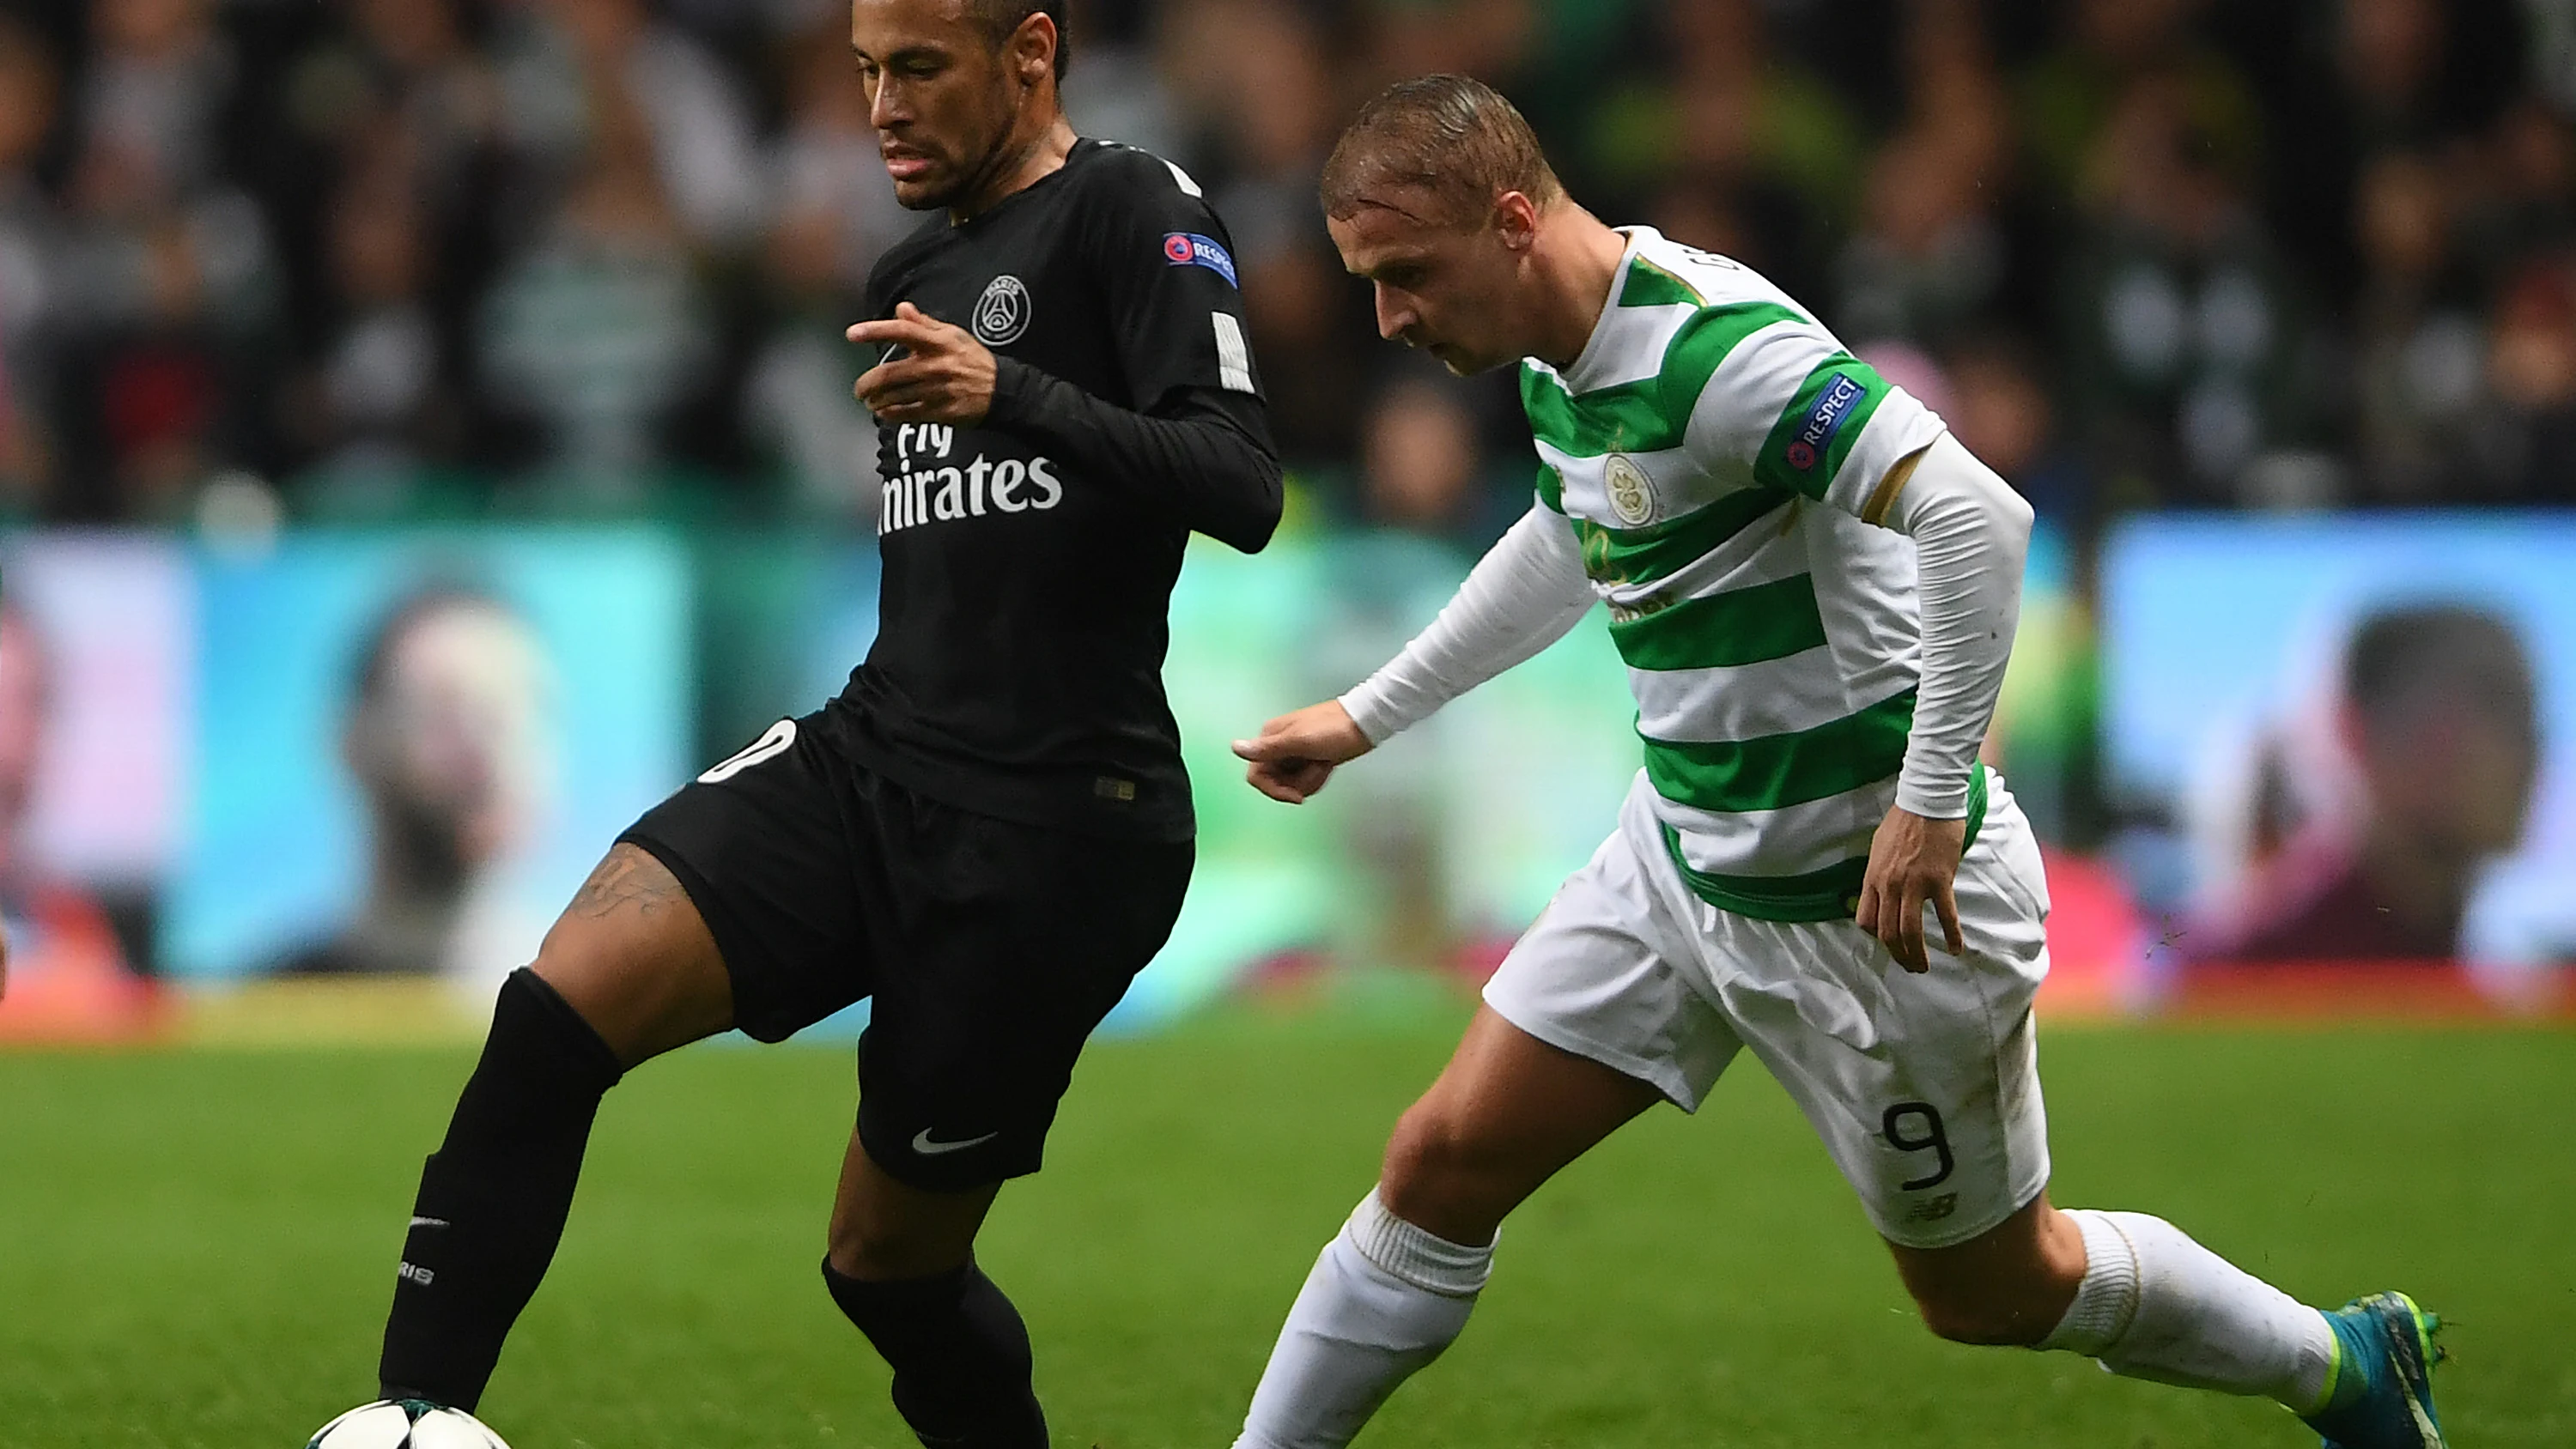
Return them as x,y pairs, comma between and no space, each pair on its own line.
493,1198
959,1352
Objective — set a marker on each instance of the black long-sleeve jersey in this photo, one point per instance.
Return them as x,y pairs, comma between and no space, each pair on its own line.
1029,562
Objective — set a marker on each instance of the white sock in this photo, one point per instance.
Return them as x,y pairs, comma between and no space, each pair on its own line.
2156,1305
1384,1299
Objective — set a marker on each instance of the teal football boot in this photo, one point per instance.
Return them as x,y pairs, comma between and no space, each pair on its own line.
2379,1394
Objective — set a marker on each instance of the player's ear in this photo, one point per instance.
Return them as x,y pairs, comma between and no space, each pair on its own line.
1516,220
1033,48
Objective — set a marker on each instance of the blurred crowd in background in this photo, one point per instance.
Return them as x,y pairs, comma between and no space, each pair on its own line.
2270,310
421,258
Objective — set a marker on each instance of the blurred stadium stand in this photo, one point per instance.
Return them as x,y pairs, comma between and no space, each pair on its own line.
306,306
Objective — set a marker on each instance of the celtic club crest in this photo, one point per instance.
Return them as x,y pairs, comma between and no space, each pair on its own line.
1632,494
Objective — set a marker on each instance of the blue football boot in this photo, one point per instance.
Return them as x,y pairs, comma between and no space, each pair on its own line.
2379,1394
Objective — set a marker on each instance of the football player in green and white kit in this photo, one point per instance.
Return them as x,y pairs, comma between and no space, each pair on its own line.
1814,587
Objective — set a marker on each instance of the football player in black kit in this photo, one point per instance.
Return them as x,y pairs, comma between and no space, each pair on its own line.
989,831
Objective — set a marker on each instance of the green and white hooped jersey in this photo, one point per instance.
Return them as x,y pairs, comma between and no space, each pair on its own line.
1725,464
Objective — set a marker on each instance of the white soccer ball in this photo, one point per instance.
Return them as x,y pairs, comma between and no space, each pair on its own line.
408,1424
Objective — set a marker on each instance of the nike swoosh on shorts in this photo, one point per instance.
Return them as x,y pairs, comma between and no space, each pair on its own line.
922,1143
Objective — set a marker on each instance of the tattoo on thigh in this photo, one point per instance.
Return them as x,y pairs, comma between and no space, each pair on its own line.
626,877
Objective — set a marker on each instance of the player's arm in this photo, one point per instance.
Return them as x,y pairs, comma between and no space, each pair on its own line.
1197,445
1851,440
1199,458
1971,533
1809,418
1524,595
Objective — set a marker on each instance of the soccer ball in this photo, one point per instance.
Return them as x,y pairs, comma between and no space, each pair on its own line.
408,1424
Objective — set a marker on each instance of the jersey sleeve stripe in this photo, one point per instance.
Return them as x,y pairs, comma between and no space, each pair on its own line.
1901,426
1723,630
1744,397
1773,771
1816,431
1883,497
1233,357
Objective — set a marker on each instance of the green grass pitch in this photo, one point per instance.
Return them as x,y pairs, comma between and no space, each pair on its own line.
196,1247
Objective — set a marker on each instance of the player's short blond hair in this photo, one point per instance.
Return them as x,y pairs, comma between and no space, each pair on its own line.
1440,149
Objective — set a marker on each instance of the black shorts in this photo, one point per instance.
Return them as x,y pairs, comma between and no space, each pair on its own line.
991,948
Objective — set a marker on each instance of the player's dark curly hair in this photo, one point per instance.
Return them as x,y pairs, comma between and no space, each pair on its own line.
998,18
1451,140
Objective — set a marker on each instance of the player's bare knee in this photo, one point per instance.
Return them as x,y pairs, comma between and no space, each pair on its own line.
633,957
2005,1311
1437,1178
1987,1322
876,1251
1425,1157
587,982
853,1254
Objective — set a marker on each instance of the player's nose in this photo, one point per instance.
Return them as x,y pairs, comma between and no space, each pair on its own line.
1393,317
886,108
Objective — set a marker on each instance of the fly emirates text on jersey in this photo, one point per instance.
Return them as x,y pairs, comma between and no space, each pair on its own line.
927,488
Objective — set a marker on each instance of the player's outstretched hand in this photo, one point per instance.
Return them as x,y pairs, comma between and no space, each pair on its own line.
1912,859
943,375
1296,753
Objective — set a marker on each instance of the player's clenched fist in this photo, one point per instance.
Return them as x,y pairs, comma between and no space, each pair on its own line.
1296,752
943,376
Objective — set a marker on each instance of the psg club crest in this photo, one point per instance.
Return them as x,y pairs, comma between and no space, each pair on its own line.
1002,313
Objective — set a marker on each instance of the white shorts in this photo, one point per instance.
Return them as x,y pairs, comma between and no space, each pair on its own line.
1925,1088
